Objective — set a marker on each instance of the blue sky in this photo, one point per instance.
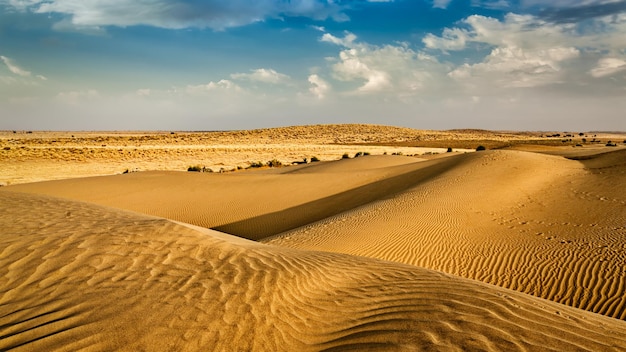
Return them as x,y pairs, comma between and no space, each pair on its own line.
214,65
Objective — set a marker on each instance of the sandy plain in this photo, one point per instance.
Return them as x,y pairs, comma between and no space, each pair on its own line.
517,248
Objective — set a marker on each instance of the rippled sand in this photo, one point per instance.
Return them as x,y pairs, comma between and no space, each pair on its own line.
516,249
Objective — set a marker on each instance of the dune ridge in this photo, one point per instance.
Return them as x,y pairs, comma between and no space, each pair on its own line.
81,276
540,224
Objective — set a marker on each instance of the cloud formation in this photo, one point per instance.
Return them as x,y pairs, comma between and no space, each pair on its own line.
608,66
263,75
177,14
319,87
573,12
392,68
14,68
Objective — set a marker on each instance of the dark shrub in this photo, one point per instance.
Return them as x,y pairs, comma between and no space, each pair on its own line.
449,150
480,147
358,154
345,156
274,163
195,168
314,159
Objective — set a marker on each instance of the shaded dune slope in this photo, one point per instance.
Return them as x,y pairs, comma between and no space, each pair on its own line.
78,276
540,224
253,204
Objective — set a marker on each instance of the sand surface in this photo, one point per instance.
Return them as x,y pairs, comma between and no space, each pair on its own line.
82,277
515,249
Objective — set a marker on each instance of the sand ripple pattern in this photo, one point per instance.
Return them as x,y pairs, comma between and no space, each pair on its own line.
539,224
76,276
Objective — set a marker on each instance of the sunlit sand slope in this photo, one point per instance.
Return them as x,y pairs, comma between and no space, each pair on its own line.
540,224
76,276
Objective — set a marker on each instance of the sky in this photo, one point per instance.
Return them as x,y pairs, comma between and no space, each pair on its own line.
539,65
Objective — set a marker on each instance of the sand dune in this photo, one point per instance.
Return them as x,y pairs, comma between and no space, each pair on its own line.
540,224
250,204
79,276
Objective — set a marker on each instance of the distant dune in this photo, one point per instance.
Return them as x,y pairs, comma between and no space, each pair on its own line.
512,249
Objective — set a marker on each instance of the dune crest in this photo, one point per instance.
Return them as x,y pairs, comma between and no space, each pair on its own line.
79,276
539,224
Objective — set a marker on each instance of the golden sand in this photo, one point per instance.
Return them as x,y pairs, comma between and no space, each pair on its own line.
516,249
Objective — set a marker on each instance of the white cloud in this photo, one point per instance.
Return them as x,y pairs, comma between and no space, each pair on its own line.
351,66
177,14
451,39
608,66
223,85
395,69
14,68
20,5
346,41
319,87
441,4
516,67
263,75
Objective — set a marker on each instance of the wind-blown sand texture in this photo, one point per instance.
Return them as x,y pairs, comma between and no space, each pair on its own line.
545,225
78,276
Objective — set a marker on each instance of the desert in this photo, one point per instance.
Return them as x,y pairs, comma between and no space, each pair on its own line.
396,239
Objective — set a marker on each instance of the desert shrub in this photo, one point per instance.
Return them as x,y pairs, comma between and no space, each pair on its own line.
611,144
397,153
256,164
195,168
314,159
449,150
624,141
366,153
345,156
480,147
358,154
274,163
